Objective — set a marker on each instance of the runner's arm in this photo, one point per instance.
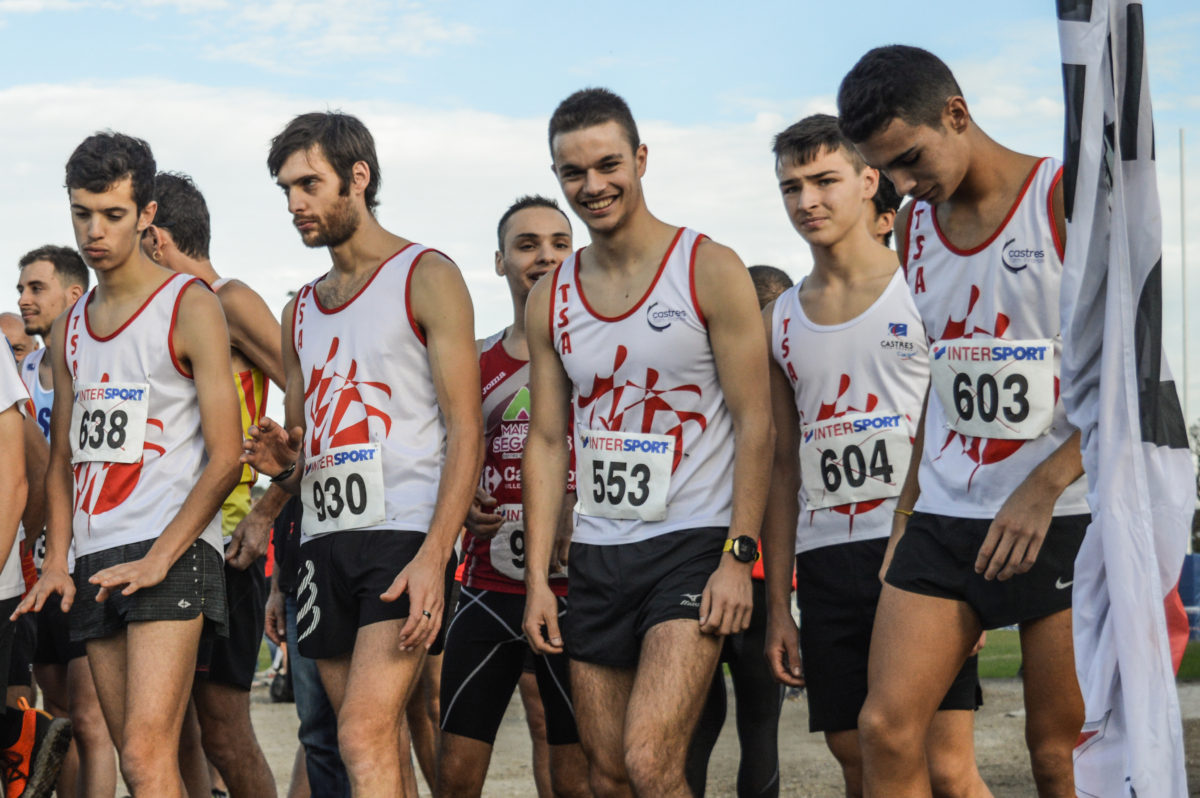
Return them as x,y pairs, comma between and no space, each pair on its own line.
543,469
726,296
442,308
269,447
779,526
37,454
910,491
13,485
253,330
202,344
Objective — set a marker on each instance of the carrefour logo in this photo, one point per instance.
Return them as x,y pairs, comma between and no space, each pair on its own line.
603,443
1017,259
660,318
981,354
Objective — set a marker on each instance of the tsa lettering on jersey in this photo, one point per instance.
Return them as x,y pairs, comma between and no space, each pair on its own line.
562,320
785,347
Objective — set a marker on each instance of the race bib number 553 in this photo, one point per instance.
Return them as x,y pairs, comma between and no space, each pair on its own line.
108,422
343,489
623,475
853,458
991,388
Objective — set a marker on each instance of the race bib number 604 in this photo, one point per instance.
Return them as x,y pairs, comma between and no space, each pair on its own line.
853,458
990,388
623,475
108,422
343,489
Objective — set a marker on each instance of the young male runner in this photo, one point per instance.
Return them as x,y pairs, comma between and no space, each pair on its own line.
850,371
649,340
179,239
52,279
146,418
485,647
20,342
383,393
1001,511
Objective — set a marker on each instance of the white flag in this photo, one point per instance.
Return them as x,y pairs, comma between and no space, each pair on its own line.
1118,391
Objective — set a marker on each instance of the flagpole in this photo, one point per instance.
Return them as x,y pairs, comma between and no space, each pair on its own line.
1183,276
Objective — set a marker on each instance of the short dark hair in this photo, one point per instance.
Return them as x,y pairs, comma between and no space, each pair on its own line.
183,213
591,107
69,267
886,198
344,141
894,82
769,282
527,201
813,135
107,157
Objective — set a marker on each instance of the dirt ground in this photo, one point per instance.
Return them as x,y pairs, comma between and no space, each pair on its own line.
807,768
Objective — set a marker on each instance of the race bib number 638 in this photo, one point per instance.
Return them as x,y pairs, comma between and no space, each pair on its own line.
623,475
108,422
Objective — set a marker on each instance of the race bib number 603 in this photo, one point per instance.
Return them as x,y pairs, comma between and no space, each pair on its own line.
343,489
108,422
623,475
990,388
853,458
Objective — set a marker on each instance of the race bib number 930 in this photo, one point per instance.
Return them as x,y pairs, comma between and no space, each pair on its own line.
108,422
990,388
343,489
623,475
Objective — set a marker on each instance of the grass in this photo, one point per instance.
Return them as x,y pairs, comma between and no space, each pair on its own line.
1001,657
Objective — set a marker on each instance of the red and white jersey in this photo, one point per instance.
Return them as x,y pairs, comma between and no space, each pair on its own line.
136,441
992,319
499,563
43,399
858,388
653,438
13,392
370,410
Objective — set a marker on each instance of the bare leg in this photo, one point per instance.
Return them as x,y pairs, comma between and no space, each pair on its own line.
918,644
844,745
601,695
462,767
673,676
229,740
422,712
192,762
535,718
950,753
299,786
1053,704
97,756
56,700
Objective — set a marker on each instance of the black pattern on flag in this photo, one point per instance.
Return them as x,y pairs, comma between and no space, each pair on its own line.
1118,391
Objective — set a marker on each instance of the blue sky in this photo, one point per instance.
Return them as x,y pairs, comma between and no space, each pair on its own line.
457,94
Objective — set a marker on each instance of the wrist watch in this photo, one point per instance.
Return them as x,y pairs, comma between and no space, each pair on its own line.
743,548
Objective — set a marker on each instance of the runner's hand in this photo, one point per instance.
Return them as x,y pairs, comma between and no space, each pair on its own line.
541,621
481,523
249,540
424,580
979,644
783,649
270,449
275,625
727,600
1015,537
134,575
50,582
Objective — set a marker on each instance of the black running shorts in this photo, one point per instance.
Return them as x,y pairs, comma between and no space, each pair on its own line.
194,585
484,658
233,660
837,590
936,557
617,593
20,665
341,578
54,644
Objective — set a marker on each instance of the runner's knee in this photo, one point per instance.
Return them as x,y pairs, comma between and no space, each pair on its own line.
884,733
1053,767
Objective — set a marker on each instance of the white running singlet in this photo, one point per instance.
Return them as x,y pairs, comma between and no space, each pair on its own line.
991,315
136,442
43,400
12,392
858,388
374,439
653,437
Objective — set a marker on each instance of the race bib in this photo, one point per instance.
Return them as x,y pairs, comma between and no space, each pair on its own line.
623,475
507,549
991,388
108,422
343,489
853,458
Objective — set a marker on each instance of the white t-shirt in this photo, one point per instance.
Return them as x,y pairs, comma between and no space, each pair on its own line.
12,393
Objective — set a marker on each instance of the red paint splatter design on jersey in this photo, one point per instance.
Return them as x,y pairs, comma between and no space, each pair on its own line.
629,397
830,410
341,414
100,487
981,451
